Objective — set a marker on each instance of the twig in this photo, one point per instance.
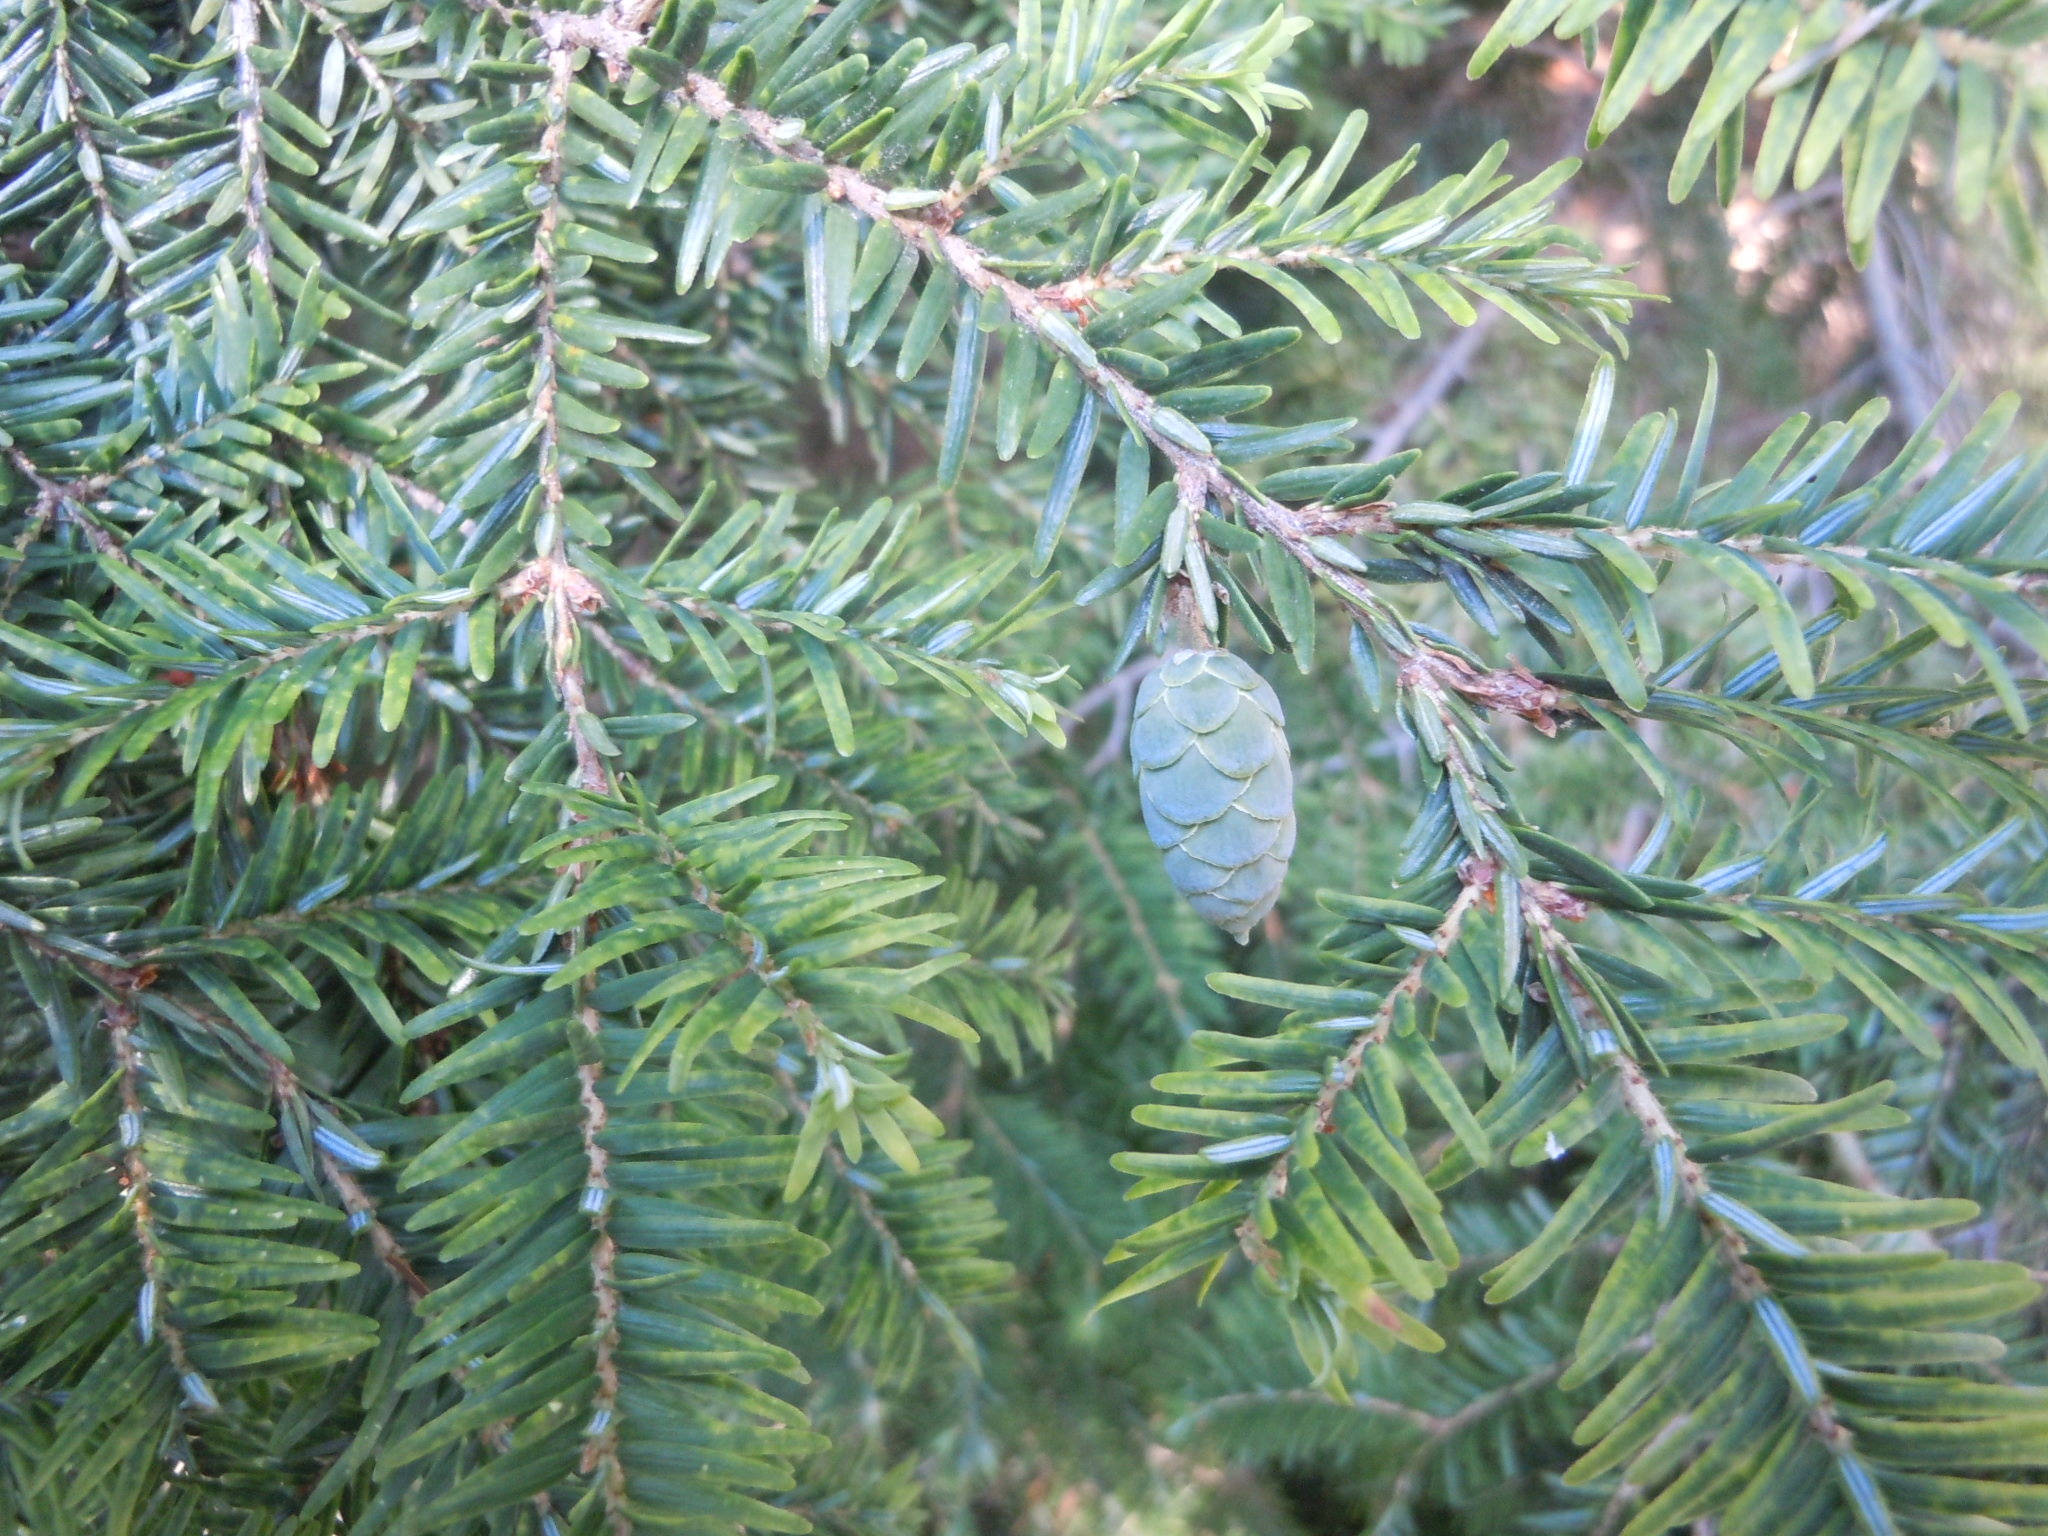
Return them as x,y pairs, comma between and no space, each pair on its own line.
1435,1428
1954,1049
547,372
1445,373
565,594
1478,876
62,498
1865,22
122,982
397,1262
894,1253
288,918
427,500
601,1436
1774,550
1643,1105
1043,312
90,162
1200,475
335,27
1114,688
1481,1407
1168,985
799,762
120,1024
1309,1397
566,597
244,37
1853,1159
987,1128
362,1210
1884,302
1627,1494
1119,691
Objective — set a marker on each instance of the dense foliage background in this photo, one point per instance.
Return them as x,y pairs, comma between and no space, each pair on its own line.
583,952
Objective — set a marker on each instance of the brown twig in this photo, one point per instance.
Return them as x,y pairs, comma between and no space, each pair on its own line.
120,983
1484,1406
1043,312
65,499
362,1210
566,597
893,1251
1310,1398
1119,692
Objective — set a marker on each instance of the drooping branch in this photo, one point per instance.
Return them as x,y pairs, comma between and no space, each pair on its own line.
427,500
69,498
1042,312
547,371
119,983
1200,475
1434,1429
755,957
56,499
566,598
1044,315
565,594
601,1435
1202,478
1639,1098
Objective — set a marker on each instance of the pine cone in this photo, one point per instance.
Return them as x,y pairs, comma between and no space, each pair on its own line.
1214,783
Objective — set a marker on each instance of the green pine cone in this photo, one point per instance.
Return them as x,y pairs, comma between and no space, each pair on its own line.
1214,782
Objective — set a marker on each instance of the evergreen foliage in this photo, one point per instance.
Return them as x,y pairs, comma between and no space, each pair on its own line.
564,977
